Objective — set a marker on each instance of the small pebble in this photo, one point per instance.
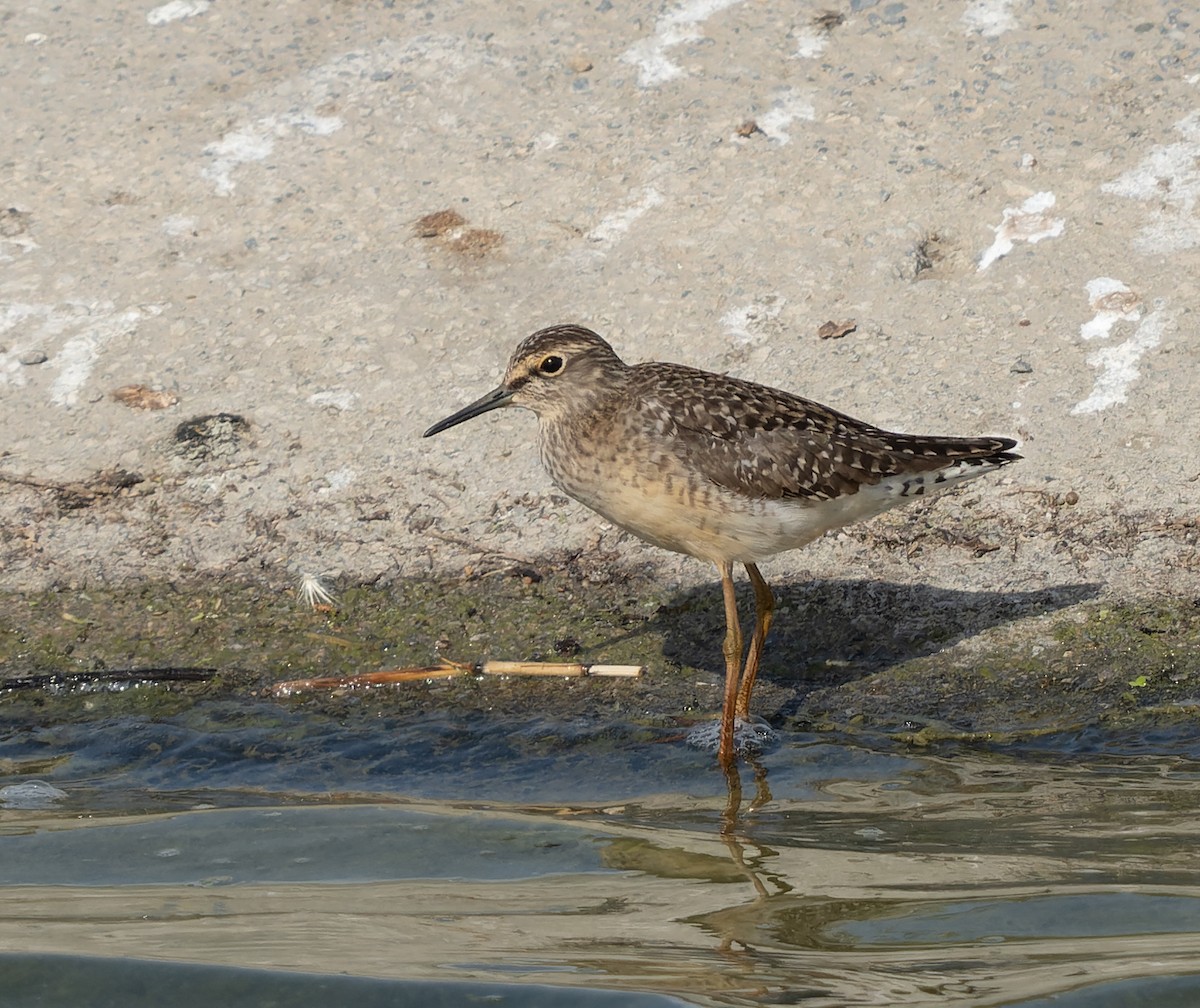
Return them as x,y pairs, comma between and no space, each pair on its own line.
33,357
1021,367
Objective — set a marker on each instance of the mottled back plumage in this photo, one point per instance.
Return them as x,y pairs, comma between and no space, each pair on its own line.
767,443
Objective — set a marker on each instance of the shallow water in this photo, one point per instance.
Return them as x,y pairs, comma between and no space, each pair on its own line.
242,850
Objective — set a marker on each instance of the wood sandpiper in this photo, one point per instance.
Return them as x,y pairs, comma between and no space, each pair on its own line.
716,467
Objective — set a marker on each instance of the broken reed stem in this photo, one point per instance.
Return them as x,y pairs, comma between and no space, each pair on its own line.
566,669
449,669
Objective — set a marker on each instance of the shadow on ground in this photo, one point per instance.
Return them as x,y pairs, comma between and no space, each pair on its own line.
833,632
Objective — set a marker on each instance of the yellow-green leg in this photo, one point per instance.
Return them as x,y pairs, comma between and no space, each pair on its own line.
733,663
764,608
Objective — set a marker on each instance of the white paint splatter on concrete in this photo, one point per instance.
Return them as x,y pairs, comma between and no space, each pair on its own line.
750,325
989,17
1030,222
1113,302
234,149
679,26
339,399
78,355
785,110
1118,364
294,106
256,140
177,225
613,227
13,314
810,43
177,10
32,327
37,327
338,480
1169,179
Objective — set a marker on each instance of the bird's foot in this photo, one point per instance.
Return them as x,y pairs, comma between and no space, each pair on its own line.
750,736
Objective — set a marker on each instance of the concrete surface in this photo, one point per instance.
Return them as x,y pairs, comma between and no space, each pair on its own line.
229,204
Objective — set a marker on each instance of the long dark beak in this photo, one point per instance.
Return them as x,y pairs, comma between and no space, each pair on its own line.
493,400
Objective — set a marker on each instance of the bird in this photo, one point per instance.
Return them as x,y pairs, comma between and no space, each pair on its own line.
716,467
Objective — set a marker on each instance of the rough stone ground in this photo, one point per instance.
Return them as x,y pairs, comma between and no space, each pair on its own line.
308,230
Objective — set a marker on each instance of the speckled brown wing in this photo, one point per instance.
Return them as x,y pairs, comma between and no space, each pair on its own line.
765,443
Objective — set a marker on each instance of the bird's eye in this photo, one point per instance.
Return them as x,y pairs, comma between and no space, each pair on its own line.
551,365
